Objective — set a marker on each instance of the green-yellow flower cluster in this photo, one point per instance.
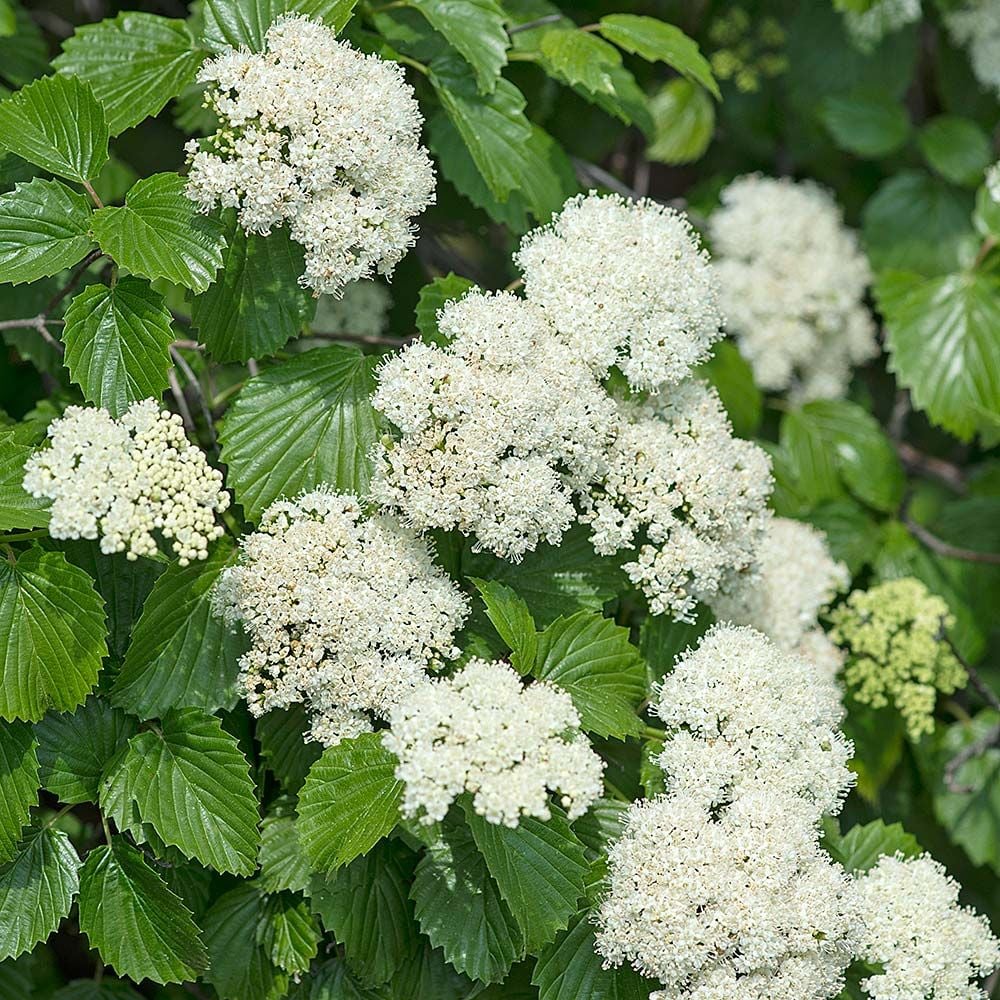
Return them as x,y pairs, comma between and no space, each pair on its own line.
894,638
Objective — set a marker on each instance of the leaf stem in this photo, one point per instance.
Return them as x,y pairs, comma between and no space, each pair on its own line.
89,188
23,536
652,733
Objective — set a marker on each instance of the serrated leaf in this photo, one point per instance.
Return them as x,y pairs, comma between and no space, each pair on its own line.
656,41
256,305
56,123
512,620
601,824
52,619
571,969
236,23
475,29
288,932
539,868
427,974
944,345
118,343
333,981
240,968
43,229
181,655
861,847
306,422
460,909
135,63
957,148
75,747
18,783
591,657
871,124
191,783
366,907
18,509
283,863
159,233
137,924
281,733
684,121
24,54
432,299
37,889
349,802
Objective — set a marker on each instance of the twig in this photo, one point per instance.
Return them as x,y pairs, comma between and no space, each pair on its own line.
591,173
929,465
252,367
182,406
939,545
974,749
362,338
982,688
36,323
194,382
538,22
76,277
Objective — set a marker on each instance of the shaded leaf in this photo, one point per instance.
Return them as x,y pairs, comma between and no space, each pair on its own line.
957,148
861,847
18,783
512,620
475,28
432,299
872,124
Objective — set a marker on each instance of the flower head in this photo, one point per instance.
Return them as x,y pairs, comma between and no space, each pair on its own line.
976,25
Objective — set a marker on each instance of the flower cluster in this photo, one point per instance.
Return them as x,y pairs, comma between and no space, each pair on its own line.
976,25
894,637
926,944
624,283
321,136
484,732
498,428
792,281
732,728
883,17
692,495
793,579
121,480
344,614
362,310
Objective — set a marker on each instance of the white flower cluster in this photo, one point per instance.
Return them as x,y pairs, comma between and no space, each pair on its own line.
793,579
926,944
868,27
362,310
719,889
733,727
792,280
976,25
695,495
498,428
121,480
624,283
484,732
344,614
321,136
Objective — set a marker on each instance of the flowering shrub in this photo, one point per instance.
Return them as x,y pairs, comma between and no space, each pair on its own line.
604,606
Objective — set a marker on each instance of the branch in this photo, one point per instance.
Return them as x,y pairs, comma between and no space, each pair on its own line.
929,465
538,22
37,323
939,545
195,384
982,688
974,749
362,338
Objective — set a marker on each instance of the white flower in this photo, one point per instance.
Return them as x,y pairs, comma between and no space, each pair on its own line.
323,137
498,429
362,310
625,283
927,945
344,614
121,480
740,904
484,732
743,716
795,578
686,491
993,182
792,281
976,25
868,27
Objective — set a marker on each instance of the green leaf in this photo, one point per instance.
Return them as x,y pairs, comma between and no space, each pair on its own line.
731,375
57,124
944,346
240,968
662,640
427,974
75,747
601,824
288,933
43,229
18,509
181,655
512,620
432,299
137,924
656,41
281,733
52,619
236,23
861,847
570,969
333,981
36,890
539,868
256,304
366,908
475,29
89,989
118,343
283,863
191,783
459,907
349,802
957,148
159,233
135,64
591,657
306,422
683,122
915,222
871,124
18,783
